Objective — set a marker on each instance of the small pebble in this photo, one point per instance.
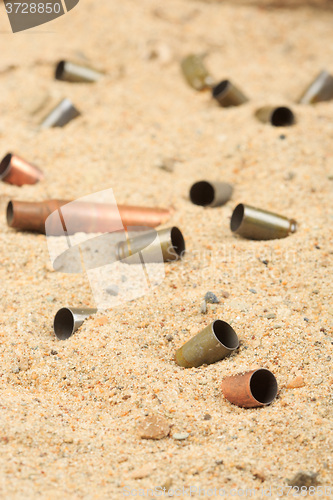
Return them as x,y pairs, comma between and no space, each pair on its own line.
252,290
169,337
153,427
225,294
271,316
180,436
296,383
282,137
304,479
50,298
144,471
211,298
207,416
277,326
307,320
167,164
123,278
203,307
112,290
317,381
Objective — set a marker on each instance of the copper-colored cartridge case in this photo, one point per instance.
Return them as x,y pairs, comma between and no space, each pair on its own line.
227,94
210,194
257,224
62,114
69,319
15,170
277,116
196,73
250,389
80,216
321,89
215,342
76,73
163,245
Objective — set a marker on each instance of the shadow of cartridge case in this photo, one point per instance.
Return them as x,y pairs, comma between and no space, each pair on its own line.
321,89
195,72
257,224
62,114
277,116
76,73
169,241
227,94
69,319
250,389
215,342
81,216
210,194
15,170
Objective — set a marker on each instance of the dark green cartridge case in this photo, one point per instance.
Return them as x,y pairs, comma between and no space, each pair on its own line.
76,73
196,73
321,89
210,194
227,94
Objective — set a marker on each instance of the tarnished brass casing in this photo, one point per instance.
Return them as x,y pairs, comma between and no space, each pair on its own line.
250,389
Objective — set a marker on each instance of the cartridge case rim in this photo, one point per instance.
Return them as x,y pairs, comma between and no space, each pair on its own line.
10,213
5,165
271,383
177,241
202,193
60,70
232,340
237,217
64,323
221,89
287,118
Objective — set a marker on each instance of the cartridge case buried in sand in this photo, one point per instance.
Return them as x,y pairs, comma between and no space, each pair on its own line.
166,244
15,170
196,73
69,319
250,389
215,342
210,194
321,89
257,224
62,114
227,94
76,73
80,216
277,116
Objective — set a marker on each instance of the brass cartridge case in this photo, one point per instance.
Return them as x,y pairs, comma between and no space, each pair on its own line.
196,73
169,241
227,94
250,389
215,342
62,114
76,73
81,216
210,194
277,116
257,224
69,319
321,89
15,170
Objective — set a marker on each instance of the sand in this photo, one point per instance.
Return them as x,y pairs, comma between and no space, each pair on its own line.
69,411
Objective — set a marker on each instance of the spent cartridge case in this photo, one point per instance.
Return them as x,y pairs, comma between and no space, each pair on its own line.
227,94
196,73
76,73
69,319
277,116
15,170
250,389
166,244
257,224
210,194
62,114
321,89
215,342
80,216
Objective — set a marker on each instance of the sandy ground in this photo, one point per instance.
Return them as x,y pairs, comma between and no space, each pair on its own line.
69,411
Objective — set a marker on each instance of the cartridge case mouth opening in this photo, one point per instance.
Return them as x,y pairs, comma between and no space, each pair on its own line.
177,241
59,72
263,386
293,226
220,89
202,193
63,324
282,116
10,213
237,217
5,165
225,334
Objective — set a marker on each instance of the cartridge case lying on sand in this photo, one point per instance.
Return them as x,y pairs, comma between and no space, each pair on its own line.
15,170
62,114
227,94
257,224
166,244
250,389
80,216
196,73
321,89
69,319
277,116
210,194
76,73
215,342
